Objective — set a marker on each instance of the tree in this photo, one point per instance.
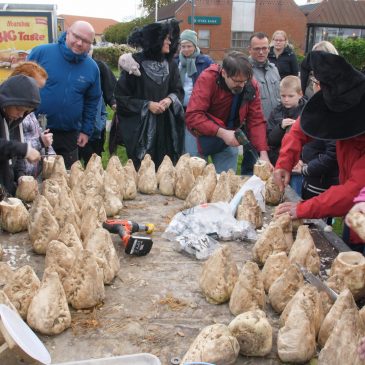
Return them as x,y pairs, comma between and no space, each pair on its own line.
150,5
118,33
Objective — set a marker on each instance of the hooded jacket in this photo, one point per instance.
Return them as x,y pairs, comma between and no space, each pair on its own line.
275,133
23,91
72,91
286,63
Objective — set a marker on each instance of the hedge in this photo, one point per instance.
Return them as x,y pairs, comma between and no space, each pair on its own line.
353,50
110,55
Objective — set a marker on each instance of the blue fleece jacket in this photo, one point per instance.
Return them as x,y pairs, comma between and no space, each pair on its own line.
71,95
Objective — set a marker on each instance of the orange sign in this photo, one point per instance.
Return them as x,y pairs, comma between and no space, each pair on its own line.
18,35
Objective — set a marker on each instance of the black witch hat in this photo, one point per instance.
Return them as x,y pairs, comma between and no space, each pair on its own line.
337,110
151,37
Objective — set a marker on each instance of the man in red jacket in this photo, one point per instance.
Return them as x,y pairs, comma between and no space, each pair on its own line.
224,99
336,112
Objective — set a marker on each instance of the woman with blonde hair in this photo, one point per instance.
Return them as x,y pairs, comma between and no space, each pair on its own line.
306,72
282,55
325,46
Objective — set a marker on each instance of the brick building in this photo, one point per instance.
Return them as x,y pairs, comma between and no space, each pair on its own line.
223,25
99,24
335,18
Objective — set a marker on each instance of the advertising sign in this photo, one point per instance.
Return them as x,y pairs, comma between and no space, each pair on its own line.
19,33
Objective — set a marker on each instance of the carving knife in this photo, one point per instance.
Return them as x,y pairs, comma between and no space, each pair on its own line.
318,283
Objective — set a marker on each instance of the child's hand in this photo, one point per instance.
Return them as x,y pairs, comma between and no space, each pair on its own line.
287,122
47,138
32,155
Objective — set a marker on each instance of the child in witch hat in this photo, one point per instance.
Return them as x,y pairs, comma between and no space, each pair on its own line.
336,112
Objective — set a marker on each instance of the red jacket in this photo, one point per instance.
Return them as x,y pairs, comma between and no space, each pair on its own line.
211,99
338,199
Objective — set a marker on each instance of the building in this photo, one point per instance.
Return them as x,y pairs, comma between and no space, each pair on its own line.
99,24
223,25
335,18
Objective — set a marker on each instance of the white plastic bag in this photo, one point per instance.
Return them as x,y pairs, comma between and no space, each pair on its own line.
255,184
201,247
209,218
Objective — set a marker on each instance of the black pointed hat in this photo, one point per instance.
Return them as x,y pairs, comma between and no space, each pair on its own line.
337,110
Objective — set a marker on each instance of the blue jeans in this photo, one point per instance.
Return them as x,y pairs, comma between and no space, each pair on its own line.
191,146
225,160
296,181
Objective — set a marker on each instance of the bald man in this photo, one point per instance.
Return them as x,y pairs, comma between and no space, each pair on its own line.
72,92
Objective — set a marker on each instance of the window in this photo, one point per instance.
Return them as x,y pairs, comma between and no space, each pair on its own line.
241,39
204,38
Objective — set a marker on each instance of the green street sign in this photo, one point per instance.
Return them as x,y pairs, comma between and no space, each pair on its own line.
208,20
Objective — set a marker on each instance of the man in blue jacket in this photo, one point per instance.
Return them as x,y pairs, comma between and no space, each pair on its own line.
72,92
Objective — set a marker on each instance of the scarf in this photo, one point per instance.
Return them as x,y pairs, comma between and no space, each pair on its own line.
156,71
187,64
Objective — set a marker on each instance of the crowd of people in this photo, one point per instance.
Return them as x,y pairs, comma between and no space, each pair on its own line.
171,99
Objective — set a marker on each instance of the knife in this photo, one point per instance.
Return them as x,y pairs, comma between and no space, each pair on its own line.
318,283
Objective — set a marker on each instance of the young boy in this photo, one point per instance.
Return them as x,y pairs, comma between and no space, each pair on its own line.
33,133
19,96
282,118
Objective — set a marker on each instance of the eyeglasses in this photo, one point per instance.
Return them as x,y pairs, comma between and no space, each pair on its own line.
260,49
79,38
238,82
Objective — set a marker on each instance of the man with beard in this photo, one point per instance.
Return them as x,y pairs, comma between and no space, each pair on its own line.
225,98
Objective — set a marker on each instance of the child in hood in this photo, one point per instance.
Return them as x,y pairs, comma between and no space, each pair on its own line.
19,96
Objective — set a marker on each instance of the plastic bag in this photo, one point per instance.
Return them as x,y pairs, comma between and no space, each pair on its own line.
209,218
199,246
255,184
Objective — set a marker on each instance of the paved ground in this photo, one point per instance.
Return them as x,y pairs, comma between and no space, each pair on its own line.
154,304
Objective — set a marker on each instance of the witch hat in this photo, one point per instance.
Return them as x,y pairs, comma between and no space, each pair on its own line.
337,110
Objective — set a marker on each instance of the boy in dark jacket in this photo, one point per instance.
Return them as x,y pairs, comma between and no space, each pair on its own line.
282,118
19,95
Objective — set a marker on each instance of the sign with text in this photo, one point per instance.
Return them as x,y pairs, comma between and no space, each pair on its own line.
19,33
208,20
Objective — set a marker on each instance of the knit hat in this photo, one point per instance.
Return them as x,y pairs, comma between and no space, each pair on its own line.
19,90
189,35
337,110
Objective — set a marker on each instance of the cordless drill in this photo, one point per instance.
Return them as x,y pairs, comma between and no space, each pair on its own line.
246,144
138,246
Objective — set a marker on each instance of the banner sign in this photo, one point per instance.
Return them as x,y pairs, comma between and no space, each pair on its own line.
19,33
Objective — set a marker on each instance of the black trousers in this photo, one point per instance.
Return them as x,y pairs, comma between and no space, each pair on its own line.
65,144
94,146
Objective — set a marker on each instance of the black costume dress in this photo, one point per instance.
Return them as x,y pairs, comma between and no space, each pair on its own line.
140,130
